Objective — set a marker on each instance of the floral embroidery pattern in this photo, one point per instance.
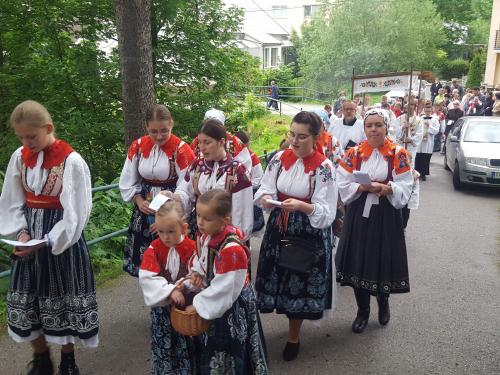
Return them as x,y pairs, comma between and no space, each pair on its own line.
326,172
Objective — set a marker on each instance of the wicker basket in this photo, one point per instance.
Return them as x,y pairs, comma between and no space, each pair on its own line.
188,323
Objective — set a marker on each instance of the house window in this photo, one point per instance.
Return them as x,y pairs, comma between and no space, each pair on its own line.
274,57
270,57
311,10
279,11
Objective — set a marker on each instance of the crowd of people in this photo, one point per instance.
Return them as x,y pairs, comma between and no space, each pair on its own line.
337,193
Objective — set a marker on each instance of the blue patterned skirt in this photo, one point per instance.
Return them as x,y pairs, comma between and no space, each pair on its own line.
54,294
138,236
234,343
171,352
372,251
299,296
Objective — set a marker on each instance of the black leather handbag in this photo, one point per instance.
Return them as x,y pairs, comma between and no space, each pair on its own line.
297,254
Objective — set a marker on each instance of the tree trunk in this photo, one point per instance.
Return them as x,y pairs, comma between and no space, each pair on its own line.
133,26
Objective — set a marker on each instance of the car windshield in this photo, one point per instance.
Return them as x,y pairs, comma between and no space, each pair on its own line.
483,132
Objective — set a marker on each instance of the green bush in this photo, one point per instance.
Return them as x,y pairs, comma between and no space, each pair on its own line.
453,68
239,115
476,70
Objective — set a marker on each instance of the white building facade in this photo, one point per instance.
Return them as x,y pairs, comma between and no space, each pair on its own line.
268,24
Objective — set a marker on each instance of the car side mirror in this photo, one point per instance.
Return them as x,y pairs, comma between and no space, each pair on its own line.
454,139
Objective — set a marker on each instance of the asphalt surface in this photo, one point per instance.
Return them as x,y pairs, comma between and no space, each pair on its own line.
448,324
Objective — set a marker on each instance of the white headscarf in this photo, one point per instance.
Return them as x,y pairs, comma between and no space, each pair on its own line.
379,112
216,114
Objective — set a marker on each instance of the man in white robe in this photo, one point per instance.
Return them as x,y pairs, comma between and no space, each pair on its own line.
349,130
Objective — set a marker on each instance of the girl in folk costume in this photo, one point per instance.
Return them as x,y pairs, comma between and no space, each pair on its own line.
234,343
164,262
431,127
371,256
216,169
47,194
234,146
409,132
327,143
154,162
303,180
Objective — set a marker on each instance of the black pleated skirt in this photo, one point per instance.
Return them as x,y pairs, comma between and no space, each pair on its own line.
372,251
51,293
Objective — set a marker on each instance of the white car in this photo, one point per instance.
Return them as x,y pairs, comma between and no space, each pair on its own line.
473,151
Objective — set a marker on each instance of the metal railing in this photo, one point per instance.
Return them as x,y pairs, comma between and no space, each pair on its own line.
90,243
117,233
294,92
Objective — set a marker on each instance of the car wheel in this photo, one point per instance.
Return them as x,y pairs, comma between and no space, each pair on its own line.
446,162
457,184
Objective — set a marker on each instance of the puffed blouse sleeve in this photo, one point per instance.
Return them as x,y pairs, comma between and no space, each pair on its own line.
268,181
130,181
183,160
402,180
324,198
12,199
230,270
76,199
348,189
155,288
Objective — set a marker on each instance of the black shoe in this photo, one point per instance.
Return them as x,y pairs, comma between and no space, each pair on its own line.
291,351
384,314
41,364
423,177
68,365
361,321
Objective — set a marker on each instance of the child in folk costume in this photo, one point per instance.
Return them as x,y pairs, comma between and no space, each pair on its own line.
217,169
47,194
234,146
234,343
164,262
155,162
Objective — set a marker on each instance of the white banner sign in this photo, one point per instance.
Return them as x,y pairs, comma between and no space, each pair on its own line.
376,84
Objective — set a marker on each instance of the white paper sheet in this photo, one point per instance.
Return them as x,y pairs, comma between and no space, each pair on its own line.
158,201
274,203
21,244
361,178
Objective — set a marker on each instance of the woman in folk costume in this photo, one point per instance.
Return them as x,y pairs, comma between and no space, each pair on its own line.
303,180
234,146
431,127
371,256
217,169
47,194
165,262
155,162
234,343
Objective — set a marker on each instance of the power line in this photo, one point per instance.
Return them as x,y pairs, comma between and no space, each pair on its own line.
267,14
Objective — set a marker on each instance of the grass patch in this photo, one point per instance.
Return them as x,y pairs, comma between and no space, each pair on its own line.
266,132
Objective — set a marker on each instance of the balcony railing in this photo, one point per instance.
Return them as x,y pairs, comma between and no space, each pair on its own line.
496,47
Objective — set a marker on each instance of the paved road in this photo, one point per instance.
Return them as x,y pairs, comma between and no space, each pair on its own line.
448,324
